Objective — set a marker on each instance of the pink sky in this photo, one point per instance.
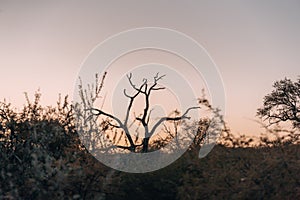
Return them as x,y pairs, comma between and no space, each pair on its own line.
253,43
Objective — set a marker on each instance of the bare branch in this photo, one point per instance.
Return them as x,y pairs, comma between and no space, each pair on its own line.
157,77
159,88
134,86
172,119
149,116
115,126
139,90
100,112
121,125
124,91
99,86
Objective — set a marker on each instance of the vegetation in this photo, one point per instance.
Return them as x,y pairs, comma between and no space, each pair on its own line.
142,138
41,157
282,104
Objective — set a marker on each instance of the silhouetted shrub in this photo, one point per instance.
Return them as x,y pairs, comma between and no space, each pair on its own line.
41,157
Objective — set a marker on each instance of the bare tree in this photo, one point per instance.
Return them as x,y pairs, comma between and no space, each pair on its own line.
145,90
282,104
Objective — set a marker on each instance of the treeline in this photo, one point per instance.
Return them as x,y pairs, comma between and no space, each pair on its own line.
41,157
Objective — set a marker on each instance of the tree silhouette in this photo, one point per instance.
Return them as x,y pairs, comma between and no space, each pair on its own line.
145,89
282,104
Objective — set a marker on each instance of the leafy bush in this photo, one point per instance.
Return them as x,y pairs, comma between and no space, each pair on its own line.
41,155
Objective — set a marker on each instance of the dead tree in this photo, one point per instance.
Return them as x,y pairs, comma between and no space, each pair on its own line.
146,90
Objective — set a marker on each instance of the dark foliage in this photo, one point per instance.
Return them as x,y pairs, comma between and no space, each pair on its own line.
283,103
40,153
226,173
41,157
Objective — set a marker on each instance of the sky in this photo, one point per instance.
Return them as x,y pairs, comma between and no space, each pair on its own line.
253,43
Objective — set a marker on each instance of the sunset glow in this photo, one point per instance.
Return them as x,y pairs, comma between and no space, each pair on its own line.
252,43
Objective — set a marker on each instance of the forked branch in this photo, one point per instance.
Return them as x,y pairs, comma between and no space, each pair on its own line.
121,125
183,116
145,88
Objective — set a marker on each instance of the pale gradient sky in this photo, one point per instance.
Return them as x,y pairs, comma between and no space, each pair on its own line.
254,43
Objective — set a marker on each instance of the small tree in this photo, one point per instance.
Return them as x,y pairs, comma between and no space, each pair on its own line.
145,89
282,104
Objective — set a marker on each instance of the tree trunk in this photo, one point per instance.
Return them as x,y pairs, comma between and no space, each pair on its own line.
145,145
